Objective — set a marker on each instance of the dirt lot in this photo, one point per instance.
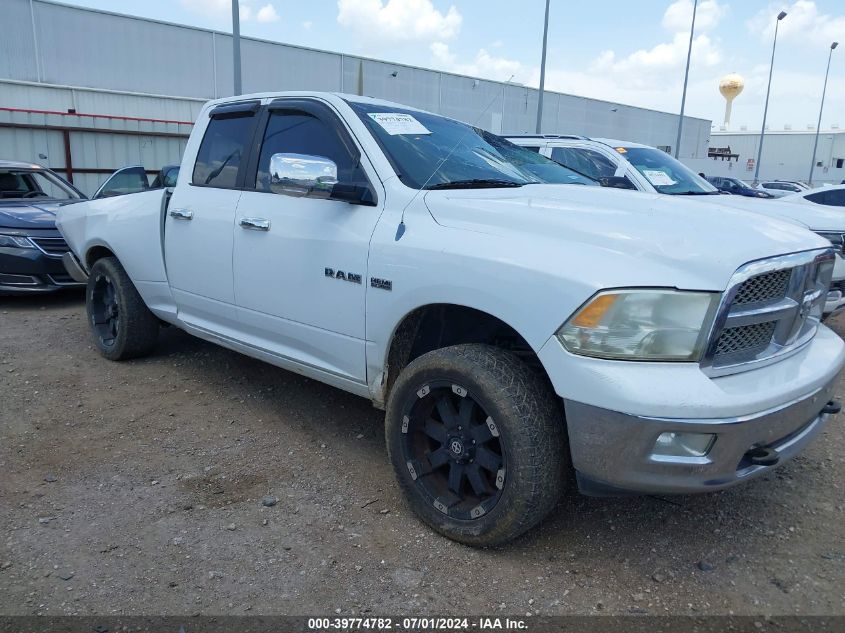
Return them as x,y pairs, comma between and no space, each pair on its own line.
137,488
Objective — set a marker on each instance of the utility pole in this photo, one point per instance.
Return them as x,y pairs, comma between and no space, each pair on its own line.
821,109
686,79
781,16
236,45
543,68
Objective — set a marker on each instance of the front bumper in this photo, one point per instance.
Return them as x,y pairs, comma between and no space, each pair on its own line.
33,270
614,453
616,410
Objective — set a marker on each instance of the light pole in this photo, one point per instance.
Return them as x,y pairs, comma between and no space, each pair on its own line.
543,68
821,109
236,45
781,16
686,79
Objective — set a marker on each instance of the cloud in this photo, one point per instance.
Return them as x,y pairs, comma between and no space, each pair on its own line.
307,25
663,56
267,13
678,16
483,65
393,21
804,23
222,10
649,77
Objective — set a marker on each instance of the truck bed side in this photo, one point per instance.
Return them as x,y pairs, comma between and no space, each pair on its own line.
131,227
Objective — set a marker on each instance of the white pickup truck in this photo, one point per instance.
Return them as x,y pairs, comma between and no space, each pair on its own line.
515,331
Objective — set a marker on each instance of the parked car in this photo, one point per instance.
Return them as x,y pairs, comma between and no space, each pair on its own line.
828,196
31,247
134,179
639,167
781,188
512,329
737,187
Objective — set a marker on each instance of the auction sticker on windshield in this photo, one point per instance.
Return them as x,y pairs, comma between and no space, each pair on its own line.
658,178
397,123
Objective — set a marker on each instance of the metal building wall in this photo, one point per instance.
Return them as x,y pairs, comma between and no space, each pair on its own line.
61,58
34,96
85,149
786,156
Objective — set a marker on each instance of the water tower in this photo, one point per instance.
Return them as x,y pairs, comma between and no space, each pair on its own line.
730,86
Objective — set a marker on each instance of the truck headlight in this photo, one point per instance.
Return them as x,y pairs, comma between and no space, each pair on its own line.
666,325
15,241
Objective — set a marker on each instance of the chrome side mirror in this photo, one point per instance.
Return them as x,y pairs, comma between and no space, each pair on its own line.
302,175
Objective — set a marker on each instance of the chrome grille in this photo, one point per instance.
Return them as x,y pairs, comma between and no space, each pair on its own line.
766,287
55,246
745,341
772,307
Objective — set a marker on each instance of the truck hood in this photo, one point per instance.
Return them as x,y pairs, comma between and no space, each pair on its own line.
633,238
816,217
29,215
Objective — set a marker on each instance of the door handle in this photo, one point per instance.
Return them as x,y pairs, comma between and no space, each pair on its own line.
181,214
255,224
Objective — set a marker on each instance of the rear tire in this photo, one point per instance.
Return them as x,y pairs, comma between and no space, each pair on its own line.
477,441
122,325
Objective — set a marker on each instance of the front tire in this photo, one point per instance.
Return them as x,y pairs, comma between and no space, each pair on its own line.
477,442
122,325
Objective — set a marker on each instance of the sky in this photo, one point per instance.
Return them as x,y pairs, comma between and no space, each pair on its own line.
618,50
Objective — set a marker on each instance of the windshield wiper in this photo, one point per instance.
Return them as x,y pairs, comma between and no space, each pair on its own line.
475,183
695,193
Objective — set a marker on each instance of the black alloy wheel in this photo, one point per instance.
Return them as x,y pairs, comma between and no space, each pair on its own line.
104,310
121,324
452,450
477,442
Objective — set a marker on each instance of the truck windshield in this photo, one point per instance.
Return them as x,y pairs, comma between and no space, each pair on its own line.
417,142
666,174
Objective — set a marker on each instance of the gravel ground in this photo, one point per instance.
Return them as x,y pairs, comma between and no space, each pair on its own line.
139,488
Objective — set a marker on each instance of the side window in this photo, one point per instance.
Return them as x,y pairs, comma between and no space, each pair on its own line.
297,132
585,161
532,148
819,197
223,148
170,177
123,181
836,198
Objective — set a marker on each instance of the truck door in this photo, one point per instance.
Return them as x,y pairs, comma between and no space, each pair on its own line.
200,216
300,260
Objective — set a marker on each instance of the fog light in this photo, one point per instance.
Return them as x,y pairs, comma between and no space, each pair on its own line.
683,444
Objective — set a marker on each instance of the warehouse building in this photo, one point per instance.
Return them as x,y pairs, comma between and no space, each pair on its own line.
85,91
786,155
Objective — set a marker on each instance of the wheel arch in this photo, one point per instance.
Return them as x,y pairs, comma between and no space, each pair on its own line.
437,325
97,251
